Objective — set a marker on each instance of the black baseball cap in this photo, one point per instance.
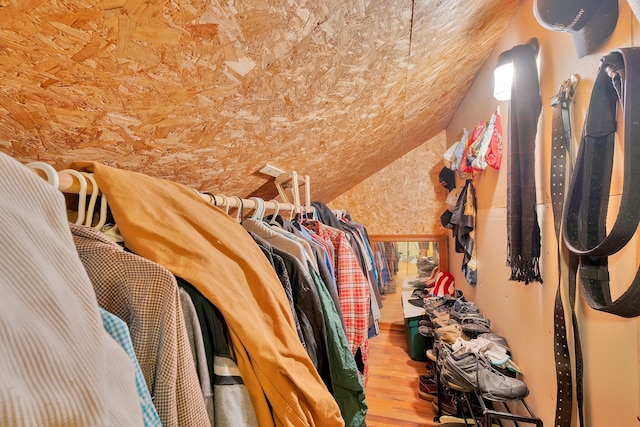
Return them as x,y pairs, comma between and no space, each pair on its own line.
590,22
447,178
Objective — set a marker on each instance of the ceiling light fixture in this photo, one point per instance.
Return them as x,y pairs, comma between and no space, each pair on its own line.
503,77
271,170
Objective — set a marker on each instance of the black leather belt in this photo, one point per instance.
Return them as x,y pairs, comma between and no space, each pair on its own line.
561,160
561,152
585,213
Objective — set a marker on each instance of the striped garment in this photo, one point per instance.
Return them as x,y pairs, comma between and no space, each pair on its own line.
58,365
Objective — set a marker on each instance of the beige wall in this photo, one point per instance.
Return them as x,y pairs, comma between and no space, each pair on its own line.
404,198
524,314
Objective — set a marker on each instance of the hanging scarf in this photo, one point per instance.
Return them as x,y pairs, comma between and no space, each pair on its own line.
523,231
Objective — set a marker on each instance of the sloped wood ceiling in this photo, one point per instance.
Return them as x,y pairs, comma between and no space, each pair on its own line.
207,92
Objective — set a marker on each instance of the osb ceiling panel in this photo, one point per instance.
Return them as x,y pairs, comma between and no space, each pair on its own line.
206,93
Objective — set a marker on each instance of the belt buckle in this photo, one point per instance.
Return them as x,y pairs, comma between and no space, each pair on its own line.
566,91
614,68
616,73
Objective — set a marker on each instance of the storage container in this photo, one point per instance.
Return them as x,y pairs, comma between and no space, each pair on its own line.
417,344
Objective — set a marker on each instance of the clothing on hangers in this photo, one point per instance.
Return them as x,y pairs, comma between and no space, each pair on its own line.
320,253
227,267
353,291
315,272
198,351
349,394
121,281
339,371
232,403
326,216
306,299
59,365
363,254
346,383
279,266
119,331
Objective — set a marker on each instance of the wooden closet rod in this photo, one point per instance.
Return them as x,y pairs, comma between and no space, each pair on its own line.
234,202
68,183
64,180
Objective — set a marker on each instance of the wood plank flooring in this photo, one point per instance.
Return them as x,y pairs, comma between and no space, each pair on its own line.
392,389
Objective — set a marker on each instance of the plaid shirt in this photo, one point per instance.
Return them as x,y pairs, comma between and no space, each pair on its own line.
120,332
353,291
145,296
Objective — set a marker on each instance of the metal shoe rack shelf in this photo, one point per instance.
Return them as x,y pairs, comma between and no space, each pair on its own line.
510,408
514,411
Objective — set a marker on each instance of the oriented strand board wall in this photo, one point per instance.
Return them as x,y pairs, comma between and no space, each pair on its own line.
202,92
205,93
404,197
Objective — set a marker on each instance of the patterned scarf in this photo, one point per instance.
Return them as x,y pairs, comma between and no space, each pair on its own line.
523,231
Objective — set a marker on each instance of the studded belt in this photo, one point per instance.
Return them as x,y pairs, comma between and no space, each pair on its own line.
561,163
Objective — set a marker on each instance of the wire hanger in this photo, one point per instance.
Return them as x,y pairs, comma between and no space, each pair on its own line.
82,194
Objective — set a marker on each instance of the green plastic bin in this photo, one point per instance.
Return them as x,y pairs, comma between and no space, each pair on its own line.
416,343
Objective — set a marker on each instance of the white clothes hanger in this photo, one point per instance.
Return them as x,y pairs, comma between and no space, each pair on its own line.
211,197
275,214
307,198
259,210
50,172
225,202
95,192
103,212
263,208
82,194
92,199
240,210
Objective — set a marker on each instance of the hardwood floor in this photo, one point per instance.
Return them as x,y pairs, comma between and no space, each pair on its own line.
392,389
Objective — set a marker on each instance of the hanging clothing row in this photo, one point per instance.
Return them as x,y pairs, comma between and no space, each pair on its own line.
267,320
386,258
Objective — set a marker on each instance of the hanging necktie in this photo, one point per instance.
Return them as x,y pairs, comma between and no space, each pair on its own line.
561,161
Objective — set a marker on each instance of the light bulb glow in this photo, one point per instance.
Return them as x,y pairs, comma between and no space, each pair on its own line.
503,76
